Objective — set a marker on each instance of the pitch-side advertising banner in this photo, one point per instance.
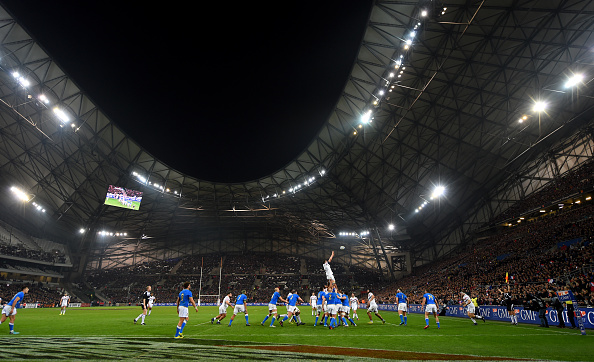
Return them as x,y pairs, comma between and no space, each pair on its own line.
499,313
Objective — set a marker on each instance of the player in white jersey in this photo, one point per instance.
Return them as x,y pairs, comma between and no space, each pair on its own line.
64,303
467,302
313,300
354,305
372,308
151,302
223,309
328,270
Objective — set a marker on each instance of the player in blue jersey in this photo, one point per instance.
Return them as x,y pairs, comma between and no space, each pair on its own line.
183,303
320,305
10,309
345,310
402,302
431,307
240,307
292,307
272,310
333,305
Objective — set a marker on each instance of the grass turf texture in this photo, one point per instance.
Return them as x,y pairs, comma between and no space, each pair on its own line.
109,333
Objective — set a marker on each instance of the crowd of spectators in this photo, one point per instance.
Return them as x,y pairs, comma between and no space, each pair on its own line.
22,252
555,251
39,293
256,273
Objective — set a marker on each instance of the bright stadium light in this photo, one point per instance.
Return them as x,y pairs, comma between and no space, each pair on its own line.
20,194
437,192
81,231
539,106
366,117
391,227
574,80
61,115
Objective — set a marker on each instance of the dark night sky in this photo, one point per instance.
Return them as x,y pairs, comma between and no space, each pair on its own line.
221,92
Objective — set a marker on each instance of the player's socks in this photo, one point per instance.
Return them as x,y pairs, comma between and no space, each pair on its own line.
11,326
247,321
143,316
352,321
325,320
286,317
344,321
177,331
230,321
473,321
405,320
437,325
182,327
266,318
272,322
316,323
148,313
332,322
298,319
401,318
427,321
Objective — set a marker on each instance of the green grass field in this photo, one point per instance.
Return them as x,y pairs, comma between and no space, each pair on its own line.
106,333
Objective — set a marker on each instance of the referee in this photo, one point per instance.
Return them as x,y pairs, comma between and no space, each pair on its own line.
145,301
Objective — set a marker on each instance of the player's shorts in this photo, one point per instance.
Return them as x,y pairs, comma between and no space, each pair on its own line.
354,306
313,305
470,308
150,305
239,308
6,310
183,312
430,308
223,308
271,307
320,308
326,308
142,307
346,309
372,308
333,308
330,276
291,309
64,304
510,307
402,307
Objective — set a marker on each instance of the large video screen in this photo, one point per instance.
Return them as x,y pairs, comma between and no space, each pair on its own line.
121,197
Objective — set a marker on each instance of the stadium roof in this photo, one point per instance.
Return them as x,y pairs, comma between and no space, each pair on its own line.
432,100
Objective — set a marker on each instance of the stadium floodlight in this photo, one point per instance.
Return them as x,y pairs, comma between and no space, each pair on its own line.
43,98
20,194
413,34
424,13
81,231
61,115
437,192
391,227
366,117
539,106
574,80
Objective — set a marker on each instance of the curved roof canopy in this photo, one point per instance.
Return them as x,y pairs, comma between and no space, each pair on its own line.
434,99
